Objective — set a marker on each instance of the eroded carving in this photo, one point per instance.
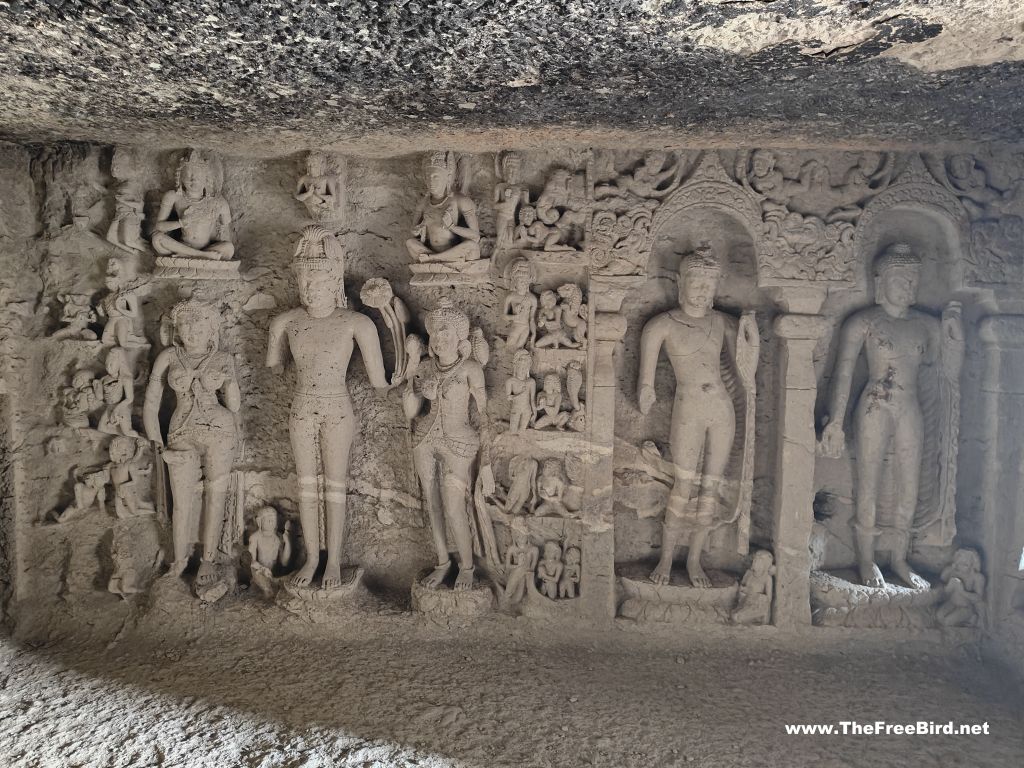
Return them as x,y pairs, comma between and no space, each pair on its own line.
963,591
704,416
320,188
754,604
446,442
125,230
320,337
192,232
203,431
520,307
891,420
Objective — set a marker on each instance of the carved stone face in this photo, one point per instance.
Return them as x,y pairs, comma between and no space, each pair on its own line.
195,334
763,163
194,179
527,215
521,367
697,290
317,287
316,164
113,280
899,286
444,341
438,181
960,166
655,160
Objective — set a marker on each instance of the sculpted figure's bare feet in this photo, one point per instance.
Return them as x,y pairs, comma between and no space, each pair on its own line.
871,575
437,576
207,573
907,576
464,581
332,576
697,576
304,577
662,574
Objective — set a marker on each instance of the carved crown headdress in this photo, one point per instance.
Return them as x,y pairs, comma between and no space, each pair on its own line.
440,159
447,315
319,249
701,260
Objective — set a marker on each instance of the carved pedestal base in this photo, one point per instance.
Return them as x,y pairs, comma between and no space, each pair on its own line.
351,587
678,602
195,269
456,273
838,601
446,606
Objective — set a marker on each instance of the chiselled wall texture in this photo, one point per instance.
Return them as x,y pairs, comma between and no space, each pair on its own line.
791,369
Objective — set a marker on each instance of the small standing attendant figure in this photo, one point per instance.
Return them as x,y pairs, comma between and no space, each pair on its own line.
520,305
201,440
568,585
320,337
445,228
196,211
446,442
549,569
521,390
509,195
703,415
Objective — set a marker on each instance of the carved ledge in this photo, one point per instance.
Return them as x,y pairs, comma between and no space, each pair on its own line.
464,273
196,269
799,326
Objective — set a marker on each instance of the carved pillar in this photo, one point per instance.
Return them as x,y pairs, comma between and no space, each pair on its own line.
597,586
792,516
1002,491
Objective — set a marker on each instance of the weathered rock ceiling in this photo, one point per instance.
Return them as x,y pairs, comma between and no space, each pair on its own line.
379,75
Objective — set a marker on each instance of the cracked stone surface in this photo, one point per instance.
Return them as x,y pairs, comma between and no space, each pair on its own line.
278,75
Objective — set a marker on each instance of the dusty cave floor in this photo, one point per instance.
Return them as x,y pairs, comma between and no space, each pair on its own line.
265,689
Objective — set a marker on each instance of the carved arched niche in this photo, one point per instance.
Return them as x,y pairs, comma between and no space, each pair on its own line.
930,219
681,224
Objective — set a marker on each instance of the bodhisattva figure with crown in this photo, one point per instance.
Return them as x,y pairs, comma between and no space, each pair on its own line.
320,337
703,415
898,341
196,210
445,228
446,440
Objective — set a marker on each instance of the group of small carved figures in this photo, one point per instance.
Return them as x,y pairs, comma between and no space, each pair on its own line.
527,569
442,381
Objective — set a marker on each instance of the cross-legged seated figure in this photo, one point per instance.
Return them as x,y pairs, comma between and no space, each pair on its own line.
898,341
703,415
445,228
201,439
446,442
320,337
196,211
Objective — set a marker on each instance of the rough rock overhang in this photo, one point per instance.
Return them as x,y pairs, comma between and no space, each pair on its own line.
274,75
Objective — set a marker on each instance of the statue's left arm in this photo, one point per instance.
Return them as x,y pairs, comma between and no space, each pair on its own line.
369,347
471,230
